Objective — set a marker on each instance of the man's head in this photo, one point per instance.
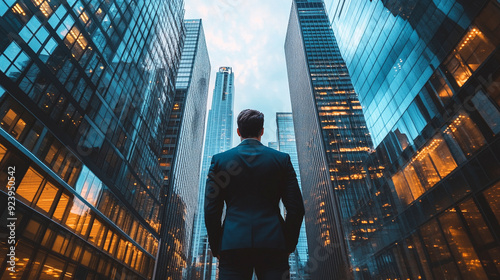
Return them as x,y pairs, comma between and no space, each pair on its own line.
250,124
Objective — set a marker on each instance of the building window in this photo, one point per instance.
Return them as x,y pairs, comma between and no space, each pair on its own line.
402,189
492,196
465,133
441,260
61,207
476,223
487,110
29,185
469,54
3,151
461,246
47,197
432,163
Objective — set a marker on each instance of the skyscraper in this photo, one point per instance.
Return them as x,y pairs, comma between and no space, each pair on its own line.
181,153
286,143
331,135
219,137
86,89
427,74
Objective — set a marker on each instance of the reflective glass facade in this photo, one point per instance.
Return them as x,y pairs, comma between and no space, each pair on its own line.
332,138
286,143
86,89
428,75
181,153
218,138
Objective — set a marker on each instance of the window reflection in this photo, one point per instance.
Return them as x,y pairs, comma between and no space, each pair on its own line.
442,158
96,231
476,223
44,7
47,197
465,133
75,213
8,119
31,230
52,268
402,188
61,207
3,151
413,181
433,162
461,246
442,263
441,87
469,54
60,244
29,185
492,195
487,110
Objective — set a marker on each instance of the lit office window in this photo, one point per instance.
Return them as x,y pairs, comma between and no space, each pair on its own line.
441,260
465,133
469,54
47,197
402,188
461,246
29,185
413,181
44,7
476,223
61,207
3,151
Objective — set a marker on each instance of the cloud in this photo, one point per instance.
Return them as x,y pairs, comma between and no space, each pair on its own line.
248,36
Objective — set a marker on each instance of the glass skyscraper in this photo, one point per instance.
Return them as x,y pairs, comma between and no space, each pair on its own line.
287,144
427,74
218,138
331,134
86,91
181,153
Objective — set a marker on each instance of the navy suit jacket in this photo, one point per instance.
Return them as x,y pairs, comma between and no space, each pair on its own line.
251,179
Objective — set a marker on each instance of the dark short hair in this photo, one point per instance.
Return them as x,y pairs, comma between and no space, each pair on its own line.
250,123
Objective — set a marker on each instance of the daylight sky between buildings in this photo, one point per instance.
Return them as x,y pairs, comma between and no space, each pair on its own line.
248,36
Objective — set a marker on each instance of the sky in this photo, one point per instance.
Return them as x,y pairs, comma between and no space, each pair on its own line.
248,36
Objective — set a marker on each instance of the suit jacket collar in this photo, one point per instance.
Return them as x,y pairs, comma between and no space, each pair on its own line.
250,141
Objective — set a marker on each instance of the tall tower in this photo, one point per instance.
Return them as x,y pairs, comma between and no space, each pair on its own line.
428,76
181,153
218,139
331,135
86,89
286,143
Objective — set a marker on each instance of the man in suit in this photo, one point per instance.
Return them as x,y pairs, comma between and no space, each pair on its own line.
251,179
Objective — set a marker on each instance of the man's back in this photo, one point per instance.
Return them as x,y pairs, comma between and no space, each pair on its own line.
252,179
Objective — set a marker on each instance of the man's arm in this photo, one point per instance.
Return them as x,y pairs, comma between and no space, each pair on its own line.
292,199
214,203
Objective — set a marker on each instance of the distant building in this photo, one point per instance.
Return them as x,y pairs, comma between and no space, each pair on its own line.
273,145
182,150
218,138
86,89
286,143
